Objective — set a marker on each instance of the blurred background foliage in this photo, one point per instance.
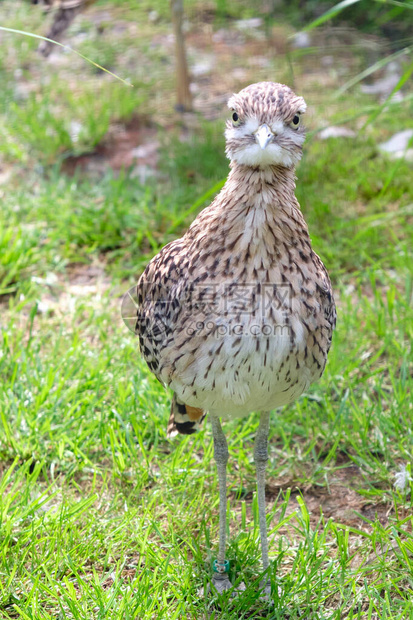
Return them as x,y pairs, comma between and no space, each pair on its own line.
65,123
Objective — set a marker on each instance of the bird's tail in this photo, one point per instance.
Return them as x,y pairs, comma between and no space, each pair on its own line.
184,419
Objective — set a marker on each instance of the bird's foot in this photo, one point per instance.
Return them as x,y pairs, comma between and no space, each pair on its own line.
221,584
265,586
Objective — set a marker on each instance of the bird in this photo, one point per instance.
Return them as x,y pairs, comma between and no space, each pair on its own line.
65,12
237,315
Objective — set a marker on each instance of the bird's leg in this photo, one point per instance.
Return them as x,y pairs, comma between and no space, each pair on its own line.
220,578
261,458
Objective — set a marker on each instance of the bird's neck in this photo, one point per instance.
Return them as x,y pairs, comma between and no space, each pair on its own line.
271,187
257,210
255,214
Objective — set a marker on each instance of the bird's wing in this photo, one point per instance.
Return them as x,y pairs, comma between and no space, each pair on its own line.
325,291
159,301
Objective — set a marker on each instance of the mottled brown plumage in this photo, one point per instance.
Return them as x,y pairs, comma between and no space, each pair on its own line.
237,315
196,332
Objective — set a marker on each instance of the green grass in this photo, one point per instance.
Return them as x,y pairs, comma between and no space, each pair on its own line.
101,517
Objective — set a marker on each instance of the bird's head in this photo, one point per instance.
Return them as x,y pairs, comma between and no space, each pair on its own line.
265,127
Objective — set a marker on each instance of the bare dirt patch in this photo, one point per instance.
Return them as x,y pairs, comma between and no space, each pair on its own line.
79,281
339,500
126,145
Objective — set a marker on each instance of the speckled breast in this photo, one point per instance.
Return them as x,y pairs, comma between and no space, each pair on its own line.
239,348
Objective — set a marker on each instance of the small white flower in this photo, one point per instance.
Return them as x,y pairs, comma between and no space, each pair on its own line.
403,478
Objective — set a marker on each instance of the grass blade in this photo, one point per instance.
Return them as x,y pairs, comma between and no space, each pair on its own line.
335,10
372,69
38,36
406,75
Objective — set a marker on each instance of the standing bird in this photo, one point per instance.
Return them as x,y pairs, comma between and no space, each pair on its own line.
237,316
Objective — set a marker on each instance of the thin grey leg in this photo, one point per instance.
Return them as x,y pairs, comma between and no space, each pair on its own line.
261,458
221,580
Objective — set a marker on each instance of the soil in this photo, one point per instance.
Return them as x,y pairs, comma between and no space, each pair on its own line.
126,145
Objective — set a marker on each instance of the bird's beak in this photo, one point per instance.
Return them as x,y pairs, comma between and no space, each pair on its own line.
264,135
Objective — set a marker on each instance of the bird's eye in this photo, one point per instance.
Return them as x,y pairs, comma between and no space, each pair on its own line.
296,121
235,119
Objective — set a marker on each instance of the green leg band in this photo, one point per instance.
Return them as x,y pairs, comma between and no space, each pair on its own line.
220,568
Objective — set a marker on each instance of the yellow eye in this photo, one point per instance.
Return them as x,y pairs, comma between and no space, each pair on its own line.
235,119
296,121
